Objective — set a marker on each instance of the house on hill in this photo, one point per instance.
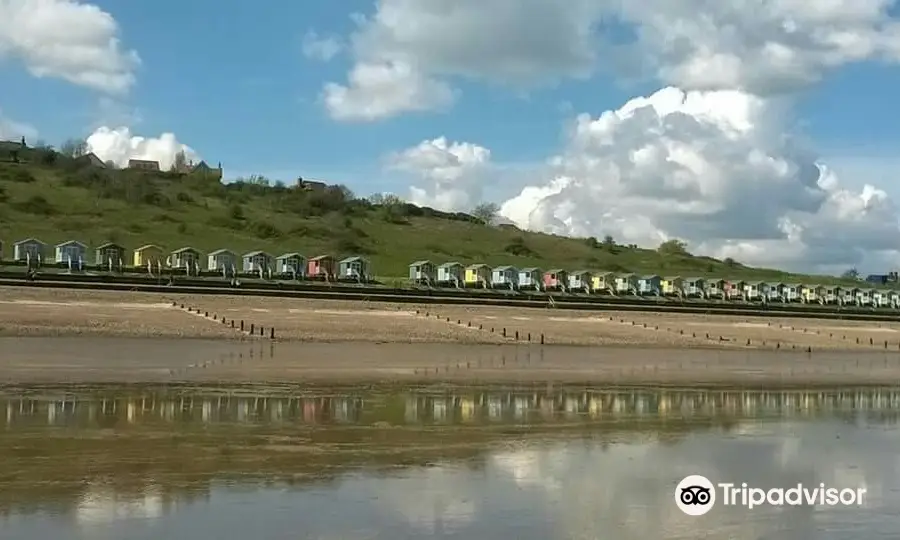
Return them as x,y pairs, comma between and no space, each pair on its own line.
90,159
12,150
143,165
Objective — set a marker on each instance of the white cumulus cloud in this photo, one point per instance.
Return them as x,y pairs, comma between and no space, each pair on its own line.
120,144
450,175
67,39
407,53
322,48
718,169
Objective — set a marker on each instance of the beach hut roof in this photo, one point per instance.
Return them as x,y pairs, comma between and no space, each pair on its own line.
110,245
354,258
255,253
650,276
71,243
290,255
556,271
476,266
221,252
30,241
148,246
530,269
322,257
420,263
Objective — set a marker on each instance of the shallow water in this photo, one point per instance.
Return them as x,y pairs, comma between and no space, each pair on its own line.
535,462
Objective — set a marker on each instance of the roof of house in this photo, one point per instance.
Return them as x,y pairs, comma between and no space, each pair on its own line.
186,249
580,272
322,257
555,271
650,276
108,245
290,255
672,278
450,264
29,241
354,258
626,275
221,252
694,279
503,268
420,263
148,246
476,266
530,270
255,253
71,243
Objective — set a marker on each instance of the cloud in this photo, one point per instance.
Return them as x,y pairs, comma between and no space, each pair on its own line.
718,169
381,90
321,48
119,145
404,51
407,53
763,47
450,175
13,130
67,39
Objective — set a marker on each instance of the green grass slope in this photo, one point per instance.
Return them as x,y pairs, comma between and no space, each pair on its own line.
55,198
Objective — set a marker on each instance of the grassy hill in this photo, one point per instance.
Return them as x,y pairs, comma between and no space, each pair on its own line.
55,198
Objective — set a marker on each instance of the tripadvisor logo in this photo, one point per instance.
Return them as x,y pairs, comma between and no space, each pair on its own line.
696,495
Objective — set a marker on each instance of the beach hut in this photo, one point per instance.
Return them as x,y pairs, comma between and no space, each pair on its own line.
109,255
221,259
812,294
894,298
423,273
847,296
450,273
734,289
774,292
830,294
603,282
694,287
321,267
626,284
149,254
355,268
293,264
673,286
531,278
649,284
864,297
29,249
881,298
71,252
793,292
556,280
257,261
580,280
754,291
715,288
186,257
505,277
478,275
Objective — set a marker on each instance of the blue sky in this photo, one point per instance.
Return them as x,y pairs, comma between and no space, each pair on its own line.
232,82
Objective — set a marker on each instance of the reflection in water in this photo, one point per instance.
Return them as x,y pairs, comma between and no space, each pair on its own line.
424,407
411,463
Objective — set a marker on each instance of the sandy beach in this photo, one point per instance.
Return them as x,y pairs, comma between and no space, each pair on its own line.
40,312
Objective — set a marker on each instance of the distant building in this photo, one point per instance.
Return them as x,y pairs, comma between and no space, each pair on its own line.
90,159
311,185
143,165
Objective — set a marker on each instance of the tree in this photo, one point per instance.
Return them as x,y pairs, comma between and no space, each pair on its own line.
74,148
672,247
609,241
852,273
486,212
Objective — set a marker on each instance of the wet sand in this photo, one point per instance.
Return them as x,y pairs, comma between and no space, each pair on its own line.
83,360
37,312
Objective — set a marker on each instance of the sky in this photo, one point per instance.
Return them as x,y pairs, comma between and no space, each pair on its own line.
762,130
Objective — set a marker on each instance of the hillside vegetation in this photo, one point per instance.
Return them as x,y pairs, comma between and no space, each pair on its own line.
55,198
